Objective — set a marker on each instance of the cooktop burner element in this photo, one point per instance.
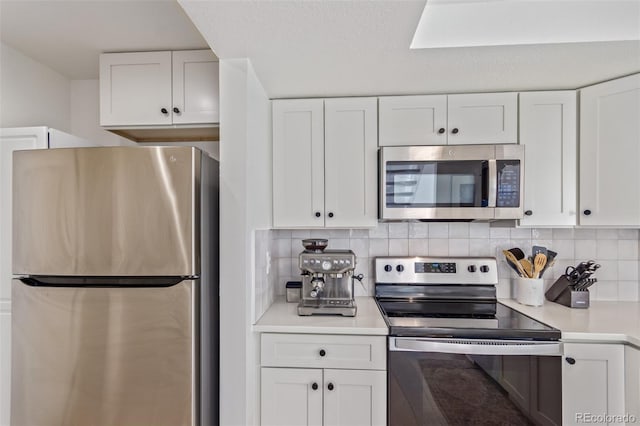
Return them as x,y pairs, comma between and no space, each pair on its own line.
449,297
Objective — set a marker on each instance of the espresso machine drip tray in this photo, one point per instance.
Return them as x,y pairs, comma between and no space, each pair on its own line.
327,282
346,308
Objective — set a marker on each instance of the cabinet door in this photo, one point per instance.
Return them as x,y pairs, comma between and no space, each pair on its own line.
594,383
195,87
288,397
482,118
134,88
610,153
351,152
548,132
298,163
632,381
355,398
413,120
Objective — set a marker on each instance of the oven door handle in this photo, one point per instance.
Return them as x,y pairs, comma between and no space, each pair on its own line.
476,347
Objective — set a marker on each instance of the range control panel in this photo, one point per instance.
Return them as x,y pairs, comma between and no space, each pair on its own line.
436,270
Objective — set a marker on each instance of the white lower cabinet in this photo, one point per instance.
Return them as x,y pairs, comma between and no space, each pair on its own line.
593,384
329,391
632,383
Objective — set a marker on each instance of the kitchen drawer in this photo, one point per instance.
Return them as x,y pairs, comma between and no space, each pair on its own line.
324,351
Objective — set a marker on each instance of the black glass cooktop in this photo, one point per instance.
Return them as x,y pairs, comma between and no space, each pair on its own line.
461,319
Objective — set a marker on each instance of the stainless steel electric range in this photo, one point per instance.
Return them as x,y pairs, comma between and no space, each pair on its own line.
458,356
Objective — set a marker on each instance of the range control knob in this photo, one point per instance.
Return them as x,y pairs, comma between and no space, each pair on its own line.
388,268
326,265
484,268
471,268
399,268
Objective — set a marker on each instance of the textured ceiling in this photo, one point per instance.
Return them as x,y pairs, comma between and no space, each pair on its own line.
69,35
352,48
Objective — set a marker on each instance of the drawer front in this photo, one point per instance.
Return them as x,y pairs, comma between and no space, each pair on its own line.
324,351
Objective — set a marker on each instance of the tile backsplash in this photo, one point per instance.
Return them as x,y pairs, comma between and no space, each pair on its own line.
615,249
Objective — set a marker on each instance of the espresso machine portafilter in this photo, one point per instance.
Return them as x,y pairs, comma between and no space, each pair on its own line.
327,280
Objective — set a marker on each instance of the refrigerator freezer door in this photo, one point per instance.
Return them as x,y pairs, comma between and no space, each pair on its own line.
112,211
104,356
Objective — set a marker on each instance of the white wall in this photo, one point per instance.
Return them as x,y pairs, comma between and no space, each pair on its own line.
85,114
245,206
32,94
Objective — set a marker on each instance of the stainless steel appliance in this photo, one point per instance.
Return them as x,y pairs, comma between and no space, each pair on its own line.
115,299
327,280
456,355
451,182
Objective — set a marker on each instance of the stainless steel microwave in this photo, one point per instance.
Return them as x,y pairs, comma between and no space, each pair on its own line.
456,182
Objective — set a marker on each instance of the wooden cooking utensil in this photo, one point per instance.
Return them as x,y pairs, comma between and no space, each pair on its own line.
512,259
539,262
527,266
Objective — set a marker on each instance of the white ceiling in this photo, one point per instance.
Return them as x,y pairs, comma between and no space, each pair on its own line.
69,35
350,48
303,48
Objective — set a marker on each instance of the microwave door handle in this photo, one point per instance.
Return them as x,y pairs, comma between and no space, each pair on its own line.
493,182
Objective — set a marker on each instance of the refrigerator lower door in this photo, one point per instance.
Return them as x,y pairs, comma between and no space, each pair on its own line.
104,356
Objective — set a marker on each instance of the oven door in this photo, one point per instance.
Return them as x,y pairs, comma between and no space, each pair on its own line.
464,382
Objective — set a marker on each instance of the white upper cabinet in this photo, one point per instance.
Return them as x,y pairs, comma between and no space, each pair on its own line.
325,163
413,120
548,126
158,88
195,87
610,153
350,160
298,163
483,118
478,118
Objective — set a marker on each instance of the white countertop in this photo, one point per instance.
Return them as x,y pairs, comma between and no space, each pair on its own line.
282,317
609,322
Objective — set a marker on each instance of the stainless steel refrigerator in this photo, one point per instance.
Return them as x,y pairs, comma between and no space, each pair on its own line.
115,294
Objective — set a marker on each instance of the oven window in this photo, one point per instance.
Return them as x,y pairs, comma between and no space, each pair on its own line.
453,389
436,184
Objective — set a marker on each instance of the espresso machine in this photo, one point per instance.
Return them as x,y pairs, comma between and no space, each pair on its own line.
327,280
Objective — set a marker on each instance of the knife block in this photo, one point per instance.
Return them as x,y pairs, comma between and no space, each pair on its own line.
560,292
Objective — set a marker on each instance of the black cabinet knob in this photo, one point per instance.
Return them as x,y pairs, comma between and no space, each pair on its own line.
318,214
570,360
587,212
164,110
330,386
455,131
314,386
330,214
322,352
399,268
441,130
176,110
388,268
528,213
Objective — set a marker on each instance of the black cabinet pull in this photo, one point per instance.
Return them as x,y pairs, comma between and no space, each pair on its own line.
176,110
318,214
330,386
314,386
528,213
455,131
164,111
322,352
330,214
587,212
441,130
570,360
